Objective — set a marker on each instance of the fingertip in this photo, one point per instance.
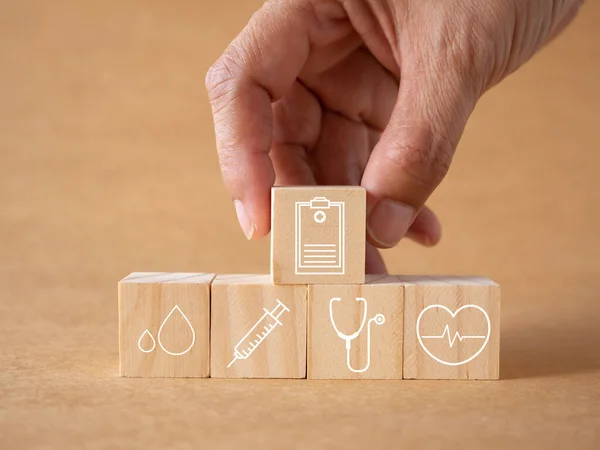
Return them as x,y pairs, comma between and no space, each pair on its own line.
388,223
253,214
420,238
426,228
245,220
374,261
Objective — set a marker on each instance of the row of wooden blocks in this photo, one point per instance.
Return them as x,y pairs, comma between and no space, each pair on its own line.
245,326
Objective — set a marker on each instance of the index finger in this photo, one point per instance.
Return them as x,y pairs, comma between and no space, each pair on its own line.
257,69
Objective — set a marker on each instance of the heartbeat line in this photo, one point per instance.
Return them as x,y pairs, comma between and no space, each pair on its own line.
452,340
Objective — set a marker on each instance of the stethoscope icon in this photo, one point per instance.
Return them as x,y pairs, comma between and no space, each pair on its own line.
379,319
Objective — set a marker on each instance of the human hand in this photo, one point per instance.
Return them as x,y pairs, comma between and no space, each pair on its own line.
370,92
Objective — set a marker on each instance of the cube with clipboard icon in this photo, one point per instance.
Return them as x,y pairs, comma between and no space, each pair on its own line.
318,235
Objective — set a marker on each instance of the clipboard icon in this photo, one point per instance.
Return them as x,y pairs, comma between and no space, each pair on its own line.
320,237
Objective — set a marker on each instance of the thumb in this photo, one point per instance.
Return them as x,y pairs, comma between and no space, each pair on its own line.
413,154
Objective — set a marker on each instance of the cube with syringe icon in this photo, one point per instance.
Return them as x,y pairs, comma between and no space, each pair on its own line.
258,333
258,328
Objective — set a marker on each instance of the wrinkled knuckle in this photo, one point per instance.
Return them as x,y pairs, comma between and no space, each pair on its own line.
223,78
422,154
220,82
464,46
218,74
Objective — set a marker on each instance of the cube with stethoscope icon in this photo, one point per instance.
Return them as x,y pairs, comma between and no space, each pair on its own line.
378,319
320,237
355,331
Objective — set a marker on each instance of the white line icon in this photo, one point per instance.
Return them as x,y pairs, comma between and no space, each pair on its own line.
177,309
146,333
320,237
452,340
457,336
259,332
378,319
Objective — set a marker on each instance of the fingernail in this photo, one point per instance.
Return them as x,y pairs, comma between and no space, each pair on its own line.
389,221
245,222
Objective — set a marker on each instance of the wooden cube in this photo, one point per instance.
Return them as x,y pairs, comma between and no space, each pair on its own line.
451,328
318,235
258,328
164,325
356,331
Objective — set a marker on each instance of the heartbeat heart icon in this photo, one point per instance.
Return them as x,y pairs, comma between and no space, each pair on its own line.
432,350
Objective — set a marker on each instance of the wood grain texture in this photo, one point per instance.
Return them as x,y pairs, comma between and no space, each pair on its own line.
109,166
446,330
318,235
238,304
164,325
327,353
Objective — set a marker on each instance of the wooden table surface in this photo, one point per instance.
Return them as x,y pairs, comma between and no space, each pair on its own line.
108,166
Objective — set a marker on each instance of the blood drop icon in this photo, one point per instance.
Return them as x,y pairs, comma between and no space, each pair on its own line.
144,348
178,319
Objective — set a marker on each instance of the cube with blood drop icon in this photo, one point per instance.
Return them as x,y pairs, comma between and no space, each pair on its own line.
164,325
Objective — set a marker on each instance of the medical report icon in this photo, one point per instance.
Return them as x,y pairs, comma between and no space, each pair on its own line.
438,344
378,319
259,332
173,314
320,237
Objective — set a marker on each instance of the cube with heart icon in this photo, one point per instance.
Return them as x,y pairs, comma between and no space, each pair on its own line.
451,328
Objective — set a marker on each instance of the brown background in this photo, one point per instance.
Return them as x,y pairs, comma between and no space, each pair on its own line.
108,166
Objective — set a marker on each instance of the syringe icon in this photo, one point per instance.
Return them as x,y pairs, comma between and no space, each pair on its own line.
259,332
